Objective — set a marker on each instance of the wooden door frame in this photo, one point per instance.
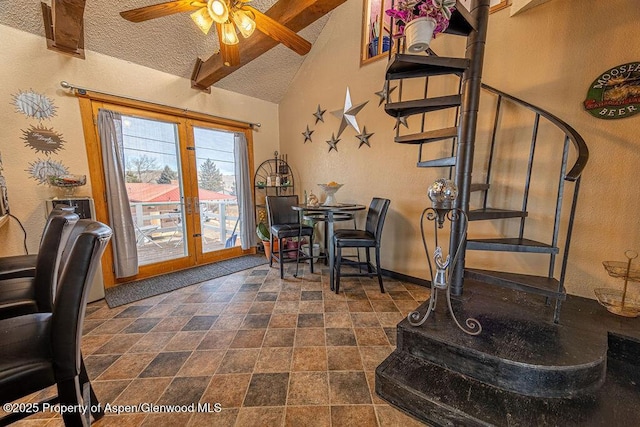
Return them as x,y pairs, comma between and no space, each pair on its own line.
89,103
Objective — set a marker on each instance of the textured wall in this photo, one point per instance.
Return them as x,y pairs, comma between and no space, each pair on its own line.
27,64
547,56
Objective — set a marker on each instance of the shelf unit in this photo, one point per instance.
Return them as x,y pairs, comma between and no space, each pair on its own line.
272,178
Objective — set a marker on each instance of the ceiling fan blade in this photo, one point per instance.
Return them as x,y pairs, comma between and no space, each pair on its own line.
279,32
230,53
158,10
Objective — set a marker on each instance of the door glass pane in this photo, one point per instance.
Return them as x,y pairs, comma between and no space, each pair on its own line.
216,166
154,186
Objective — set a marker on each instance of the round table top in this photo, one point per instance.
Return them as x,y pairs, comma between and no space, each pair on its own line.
340,207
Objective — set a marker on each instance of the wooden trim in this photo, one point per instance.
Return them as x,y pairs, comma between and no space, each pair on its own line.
89,106
497,5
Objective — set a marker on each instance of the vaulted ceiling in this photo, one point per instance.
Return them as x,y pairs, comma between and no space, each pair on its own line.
173,44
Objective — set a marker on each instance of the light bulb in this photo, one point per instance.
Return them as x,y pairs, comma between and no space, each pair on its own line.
229,35
218,10
245,24
202,19
443,193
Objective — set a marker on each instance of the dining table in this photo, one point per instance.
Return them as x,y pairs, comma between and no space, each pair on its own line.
329,214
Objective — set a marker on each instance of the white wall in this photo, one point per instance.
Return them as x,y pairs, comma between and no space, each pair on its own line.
547,56
28,65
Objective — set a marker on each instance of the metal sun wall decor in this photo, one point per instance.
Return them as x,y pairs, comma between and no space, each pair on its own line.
615,94
43,140
33,104
43,170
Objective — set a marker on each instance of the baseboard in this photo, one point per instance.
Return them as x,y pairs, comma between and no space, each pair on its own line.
405,278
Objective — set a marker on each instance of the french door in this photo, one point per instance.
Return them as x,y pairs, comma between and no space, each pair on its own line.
181,182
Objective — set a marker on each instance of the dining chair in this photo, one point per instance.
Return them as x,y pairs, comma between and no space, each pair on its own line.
285,223
24,295
368,238
15,266
40,350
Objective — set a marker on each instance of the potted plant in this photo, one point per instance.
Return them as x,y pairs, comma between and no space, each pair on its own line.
263,233
420,20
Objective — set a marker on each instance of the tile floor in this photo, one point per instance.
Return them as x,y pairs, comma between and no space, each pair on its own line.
269,352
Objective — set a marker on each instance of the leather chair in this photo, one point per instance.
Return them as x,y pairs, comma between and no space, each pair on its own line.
39,350
24,295
367,238
284,222
12,267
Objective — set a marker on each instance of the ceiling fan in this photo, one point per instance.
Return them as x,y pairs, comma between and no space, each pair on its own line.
227,15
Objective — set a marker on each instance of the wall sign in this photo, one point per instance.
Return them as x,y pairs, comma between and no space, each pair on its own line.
615,94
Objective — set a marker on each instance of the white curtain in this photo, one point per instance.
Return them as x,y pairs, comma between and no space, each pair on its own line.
125,252
247,233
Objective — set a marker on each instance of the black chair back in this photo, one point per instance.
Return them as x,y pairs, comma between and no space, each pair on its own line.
279,210
376,215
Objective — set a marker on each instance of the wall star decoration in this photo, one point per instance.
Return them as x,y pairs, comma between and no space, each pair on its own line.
333,143
43,170
318,114
33,104
384,94
307,135
401,121
364,137
42,139
348,114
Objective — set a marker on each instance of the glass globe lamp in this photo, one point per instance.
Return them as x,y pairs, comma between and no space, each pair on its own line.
443,193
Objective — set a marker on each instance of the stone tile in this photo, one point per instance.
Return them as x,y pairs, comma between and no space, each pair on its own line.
165,364
185,341
373,356
237,308
390,319
309,359
119,344
156,419
286,307
211,309
311,296
200,323
171,324
353,416
344,358
274,359
371,381
340,306
228,390
112,326
338,320
184,391
250,287
263,417
216,340
221,297
359,306
244,296
256,321
128,366
141,390
384,306
239,361
186,310
371,336
123,420
279,338
201,363
307,416
267,296
283,321
309,337
389,416
392,335
90,343
348,388
226,417
249,338
153,342
359,295
134,311
108,391
340,336
365,320
228,321
400,295
267,389
265,307
311,307
308,388
97,364
310,320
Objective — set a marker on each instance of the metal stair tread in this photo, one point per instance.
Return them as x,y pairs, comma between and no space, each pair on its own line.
462,23
407,66
511,244
428,136
443,162
541,285
492,213
418,106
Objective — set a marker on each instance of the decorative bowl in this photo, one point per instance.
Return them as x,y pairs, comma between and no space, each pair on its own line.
611,299
330,190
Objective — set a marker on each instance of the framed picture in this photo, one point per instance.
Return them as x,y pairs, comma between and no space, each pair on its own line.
495,4
376,30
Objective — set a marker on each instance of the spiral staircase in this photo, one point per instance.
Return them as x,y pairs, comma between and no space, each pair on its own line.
526,367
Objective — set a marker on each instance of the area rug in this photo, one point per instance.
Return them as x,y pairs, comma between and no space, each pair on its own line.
141,289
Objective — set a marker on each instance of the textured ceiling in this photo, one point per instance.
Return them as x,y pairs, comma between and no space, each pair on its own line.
170,44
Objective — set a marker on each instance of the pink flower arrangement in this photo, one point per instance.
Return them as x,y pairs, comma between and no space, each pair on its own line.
405,11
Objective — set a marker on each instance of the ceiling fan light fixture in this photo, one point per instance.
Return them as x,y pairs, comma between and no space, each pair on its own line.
218,10
244,22
229,35
202,19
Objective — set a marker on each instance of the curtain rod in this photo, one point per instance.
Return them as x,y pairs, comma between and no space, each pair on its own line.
83,91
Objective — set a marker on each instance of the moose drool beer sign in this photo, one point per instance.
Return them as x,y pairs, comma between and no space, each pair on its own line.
615,94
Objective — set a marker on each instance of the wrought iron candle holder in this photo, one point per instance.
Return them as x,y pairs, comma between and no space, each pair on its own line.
443,193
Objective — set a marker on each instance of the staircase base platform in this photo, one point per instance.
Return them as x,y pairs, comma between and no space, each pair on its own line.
443,377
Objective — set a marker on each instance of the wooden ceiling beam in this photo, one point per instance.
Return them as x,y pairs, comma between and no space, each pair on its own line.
64,26
293,14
